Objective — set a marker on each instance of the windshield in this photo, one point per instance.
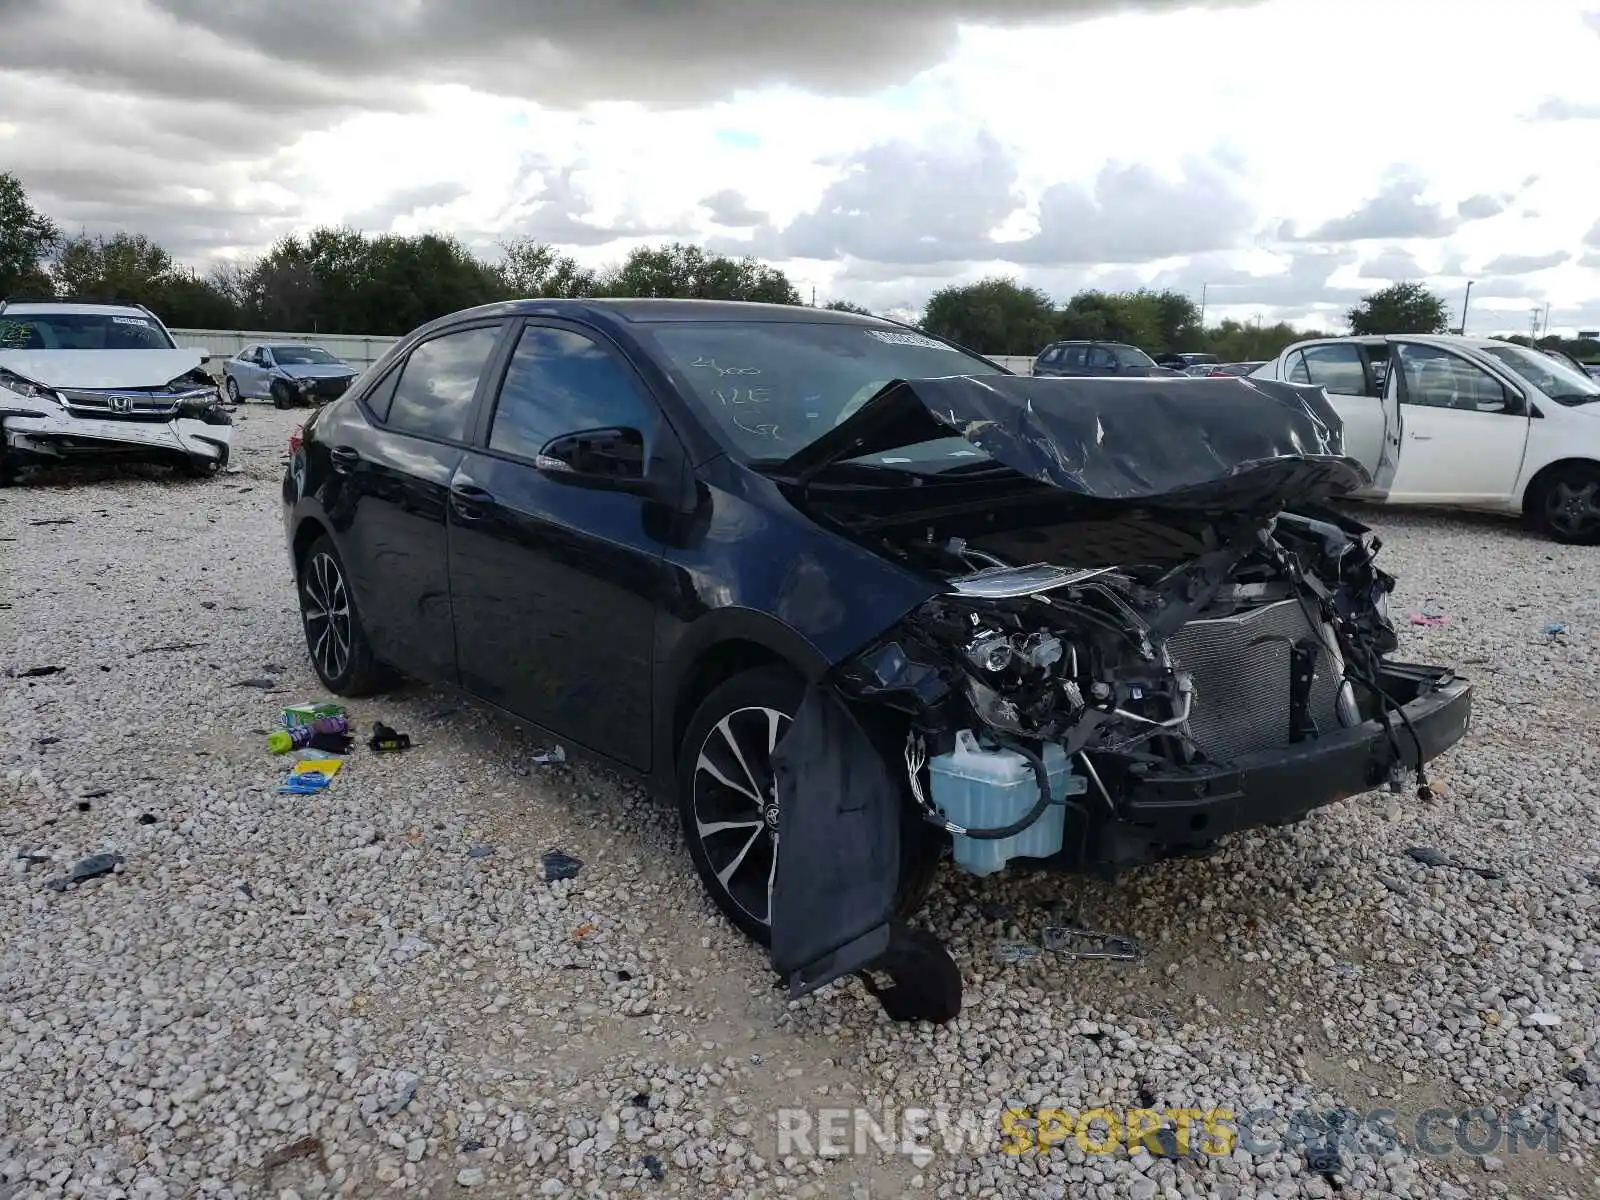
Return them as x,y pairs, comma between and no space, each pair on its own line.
289,356
80,331
1550,375
774,387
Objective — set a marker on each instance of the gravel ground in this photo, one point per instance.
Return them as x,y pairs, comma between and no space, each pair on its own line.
375,989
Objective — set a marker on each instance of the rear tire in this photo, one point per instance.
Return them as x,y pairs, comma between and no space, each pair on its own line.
340,653
1566,505
752,710
231,386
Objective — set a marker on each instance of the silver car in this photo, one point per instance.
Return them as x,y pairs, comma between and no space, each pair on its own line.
288,374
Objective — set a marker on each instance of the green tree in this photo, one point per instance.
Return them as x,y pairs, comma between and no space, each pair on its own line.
1131,317
1400,308
534,268
125,266
191,301
27,237
846,306
679,270
996,315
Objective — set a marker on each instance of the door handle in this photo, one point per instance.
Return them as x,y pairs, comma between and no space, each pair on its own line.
1422,437
469,500
344,459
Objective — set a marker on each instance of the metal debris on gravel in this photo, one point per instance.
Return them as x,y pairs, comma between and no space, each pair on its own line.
336,994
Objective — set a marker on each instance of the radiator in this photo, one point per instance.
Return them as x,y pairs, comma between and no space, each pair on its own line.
1241,666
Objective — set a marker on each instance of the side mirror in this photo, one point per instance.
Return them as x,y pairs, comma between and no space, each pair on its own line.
613,459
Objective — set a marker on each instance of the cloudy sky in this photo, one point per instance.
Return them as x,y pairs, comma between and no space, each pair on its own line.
1284,155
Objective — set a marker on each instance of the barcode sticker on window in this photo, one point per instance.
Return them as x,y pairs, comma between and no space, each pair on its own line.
896,338
140,321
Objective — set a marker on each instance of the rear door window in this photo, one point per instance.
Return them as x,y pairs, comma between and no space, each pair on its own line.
1337,368
433,397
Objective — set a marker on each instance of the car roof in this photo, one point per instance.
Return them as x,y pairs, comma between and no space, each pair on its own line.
651,310
1433,339
42,308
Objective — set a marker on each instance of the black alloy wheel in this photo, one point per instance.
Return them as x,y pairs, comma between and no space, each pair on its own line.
1567,507
340,653
728,801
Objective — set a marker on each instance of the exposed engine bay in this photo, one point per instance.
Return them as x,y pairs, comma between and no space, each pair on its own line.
1272,636
1144,630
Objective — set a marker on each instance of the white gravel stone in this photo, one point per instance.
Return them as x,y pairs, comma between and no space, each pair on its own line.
334,985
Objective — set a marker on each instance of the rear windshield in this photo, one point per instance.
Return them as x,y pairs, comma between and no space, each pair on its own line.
80,331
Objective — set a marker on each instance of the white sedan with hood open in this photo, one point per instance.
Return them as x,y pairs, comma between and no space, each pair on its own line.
104,382
1462,421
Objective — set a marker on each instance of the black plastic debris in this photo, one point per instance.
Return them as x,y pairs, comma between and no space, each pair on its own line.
479,851
265,685
168,648
46,741
1323,1160
640,1100
653,1165
53,521
558,866
923,982
471,1144
38,672
248,891
147,818
385,739
1166,1141
1429,857
97,794
86,869
1578,1075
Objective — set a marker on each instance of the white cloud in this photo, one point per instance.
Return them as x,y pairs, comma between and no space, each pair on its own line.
1189,145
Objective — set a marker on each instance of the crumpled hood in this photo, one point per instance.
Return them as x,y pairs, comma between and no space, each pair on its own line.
316,370
1179,442
100,368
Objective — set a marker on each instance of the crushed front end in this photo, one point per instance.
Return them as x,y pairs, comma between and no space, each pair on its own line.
1145,630
1093,718
177,423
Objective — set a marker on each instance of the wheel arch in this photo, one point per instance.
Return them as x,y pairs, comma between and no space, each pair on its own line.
306,532
719,647
1543,474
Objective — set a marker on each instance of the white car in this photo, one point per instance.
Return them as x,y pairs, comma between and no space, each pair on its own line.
105,382
1461,421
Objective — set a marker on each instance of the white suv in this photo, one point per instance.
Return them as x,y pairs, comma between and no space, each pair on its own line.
104,381
1469,422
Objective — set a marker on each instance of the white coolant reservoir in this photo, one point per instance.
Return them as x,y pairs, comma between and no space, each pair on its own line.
983,787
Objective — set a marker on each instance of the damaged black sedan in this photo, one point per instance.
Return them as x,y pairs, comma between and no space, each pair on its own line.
860,599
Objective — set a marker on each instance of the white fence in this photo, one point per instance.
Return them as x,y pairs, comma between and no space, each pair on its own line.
361,350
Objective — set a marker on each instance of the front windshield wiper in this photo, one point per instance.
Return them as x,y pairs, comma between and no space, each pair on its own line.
1574,399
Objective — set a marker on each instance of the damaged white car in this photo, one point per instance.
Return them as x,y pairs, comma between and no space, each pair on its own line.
104,382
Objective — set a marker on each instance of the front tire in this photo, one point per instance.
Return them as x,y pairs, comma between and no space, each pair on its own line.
280,395
340,653
729,812
1566,507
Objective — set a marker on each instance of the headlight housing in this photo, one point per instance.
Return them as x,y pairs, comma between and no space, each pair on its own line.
13,382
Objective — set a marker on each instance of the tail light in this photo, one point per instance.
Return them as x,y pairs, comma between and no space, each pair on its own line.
295,440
